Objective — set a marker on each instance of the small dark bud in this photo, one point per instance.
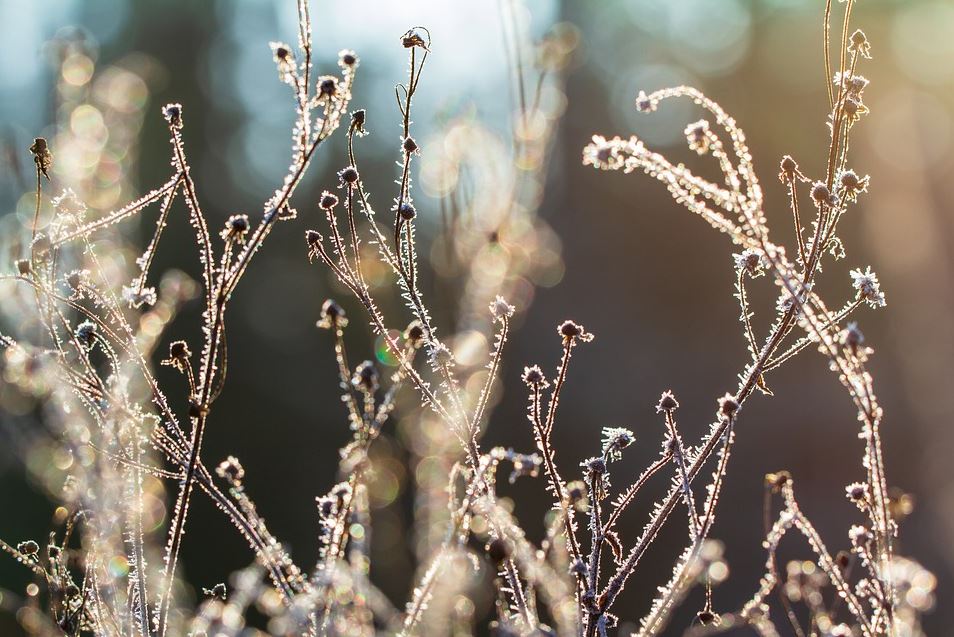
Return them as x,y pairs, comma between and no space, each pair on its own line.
409,145
347,57
312,237
236,227
644,104
86,333
327,507
340,491
173,114
357,120
23,266
498,550
54,551
569,329
414,333
852,183
194,409
282,53
843,560
348,175
42,156
728,406
788,170
821,194
777,480
575,491
533,376
407,211
74,279
852,337
328,86
328,200
413,38
29,548
332,315
239,223
853,107
667,402
365,377
596,466
705,617
857,492
179,350
231,470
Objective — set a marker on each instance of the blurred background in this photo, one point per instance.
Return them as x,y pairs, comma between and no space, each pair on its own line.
653,283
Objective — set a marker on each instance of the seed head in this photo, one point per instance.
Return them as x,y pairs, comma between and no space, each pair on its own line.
409,145
843,559
854,108
706,617
347,59
332,315
856,491
231,470
576,491
365,377
750,261
859,44
728,407
852,338
415,38
281,51
357,121
75,280
500,309
533,377
777,480
868,287
667,402
173,115
498,550
788,170
42,156
595,465
28,548
328,200
348,175
407,210
571,332
23,267
86,333
327,506
822,195
414,334
615,439
236,227
697,134
852,184
327,86
644,104
179,355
